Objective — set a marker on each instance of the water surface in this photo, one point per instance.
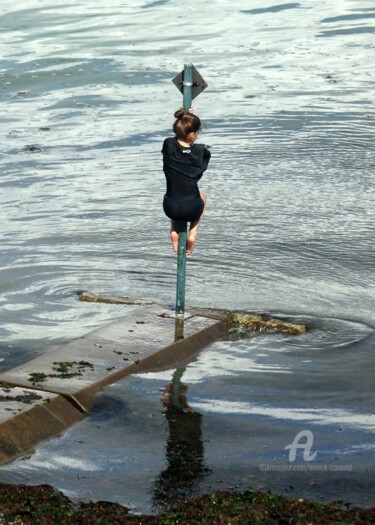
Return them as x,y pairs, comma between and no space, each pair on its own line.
86,101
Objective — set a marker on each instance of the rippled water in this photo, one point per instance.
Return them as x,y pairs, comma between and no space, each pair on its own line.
250,398
86,100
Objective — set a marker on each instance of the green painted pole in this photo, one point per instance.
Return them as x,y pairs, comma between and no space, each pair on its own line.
187,83
181,268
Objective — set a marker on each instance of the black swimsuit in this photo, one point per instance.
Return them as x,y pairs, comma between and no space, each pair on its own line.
183,168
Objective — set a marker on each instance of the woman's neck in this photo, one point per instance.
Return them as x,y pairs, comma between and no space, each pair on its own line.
184,144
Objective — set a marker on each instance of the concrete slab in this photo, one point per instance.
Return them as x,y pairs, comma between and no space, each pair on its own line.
43,397
110,353
14,400
30,416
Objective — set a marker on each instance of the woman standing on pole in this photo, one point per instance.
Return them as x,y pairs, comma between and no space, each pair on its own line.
184,163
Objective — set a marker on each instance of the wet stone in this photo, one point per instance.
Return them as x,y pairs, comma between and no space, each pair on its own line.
32,148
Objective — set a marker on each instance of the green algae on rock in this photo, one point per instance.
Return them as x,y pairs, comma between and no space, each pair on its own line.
62,369
43,505
67,369
37,377
253,322
26,397
262,323
89,297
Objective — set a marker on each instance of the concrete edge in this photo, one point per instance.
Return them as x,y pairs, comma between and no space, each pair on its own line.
166,357
21,433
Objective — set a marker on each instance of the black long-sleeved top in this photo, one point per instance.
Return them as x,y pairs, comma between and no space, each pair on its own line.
183,168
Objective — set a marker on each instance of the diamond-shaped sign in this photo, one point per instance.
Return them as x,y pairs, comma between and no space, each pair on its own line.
198,83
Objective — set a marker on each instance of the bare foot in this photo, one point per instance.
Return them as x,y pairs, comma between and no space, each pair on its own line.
174,239
190,244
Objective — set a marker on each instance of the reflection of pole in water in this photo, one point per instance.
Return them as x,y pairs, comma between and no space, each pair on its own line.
184,450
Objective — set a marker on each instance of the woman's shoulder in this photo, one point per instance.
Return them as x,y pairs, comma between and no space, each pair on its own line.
170,141
169,144
202,148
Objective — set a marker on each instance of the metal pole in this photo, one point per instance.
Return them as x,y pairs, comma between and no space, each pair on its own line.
181,276
187,83
181,267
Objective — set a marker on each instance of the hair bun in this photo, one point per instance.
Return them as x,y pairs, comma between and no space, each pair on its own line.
185,124
179,113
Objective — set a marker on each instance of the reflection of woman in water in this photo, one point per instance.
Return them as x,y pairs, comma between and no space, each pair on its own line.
184,449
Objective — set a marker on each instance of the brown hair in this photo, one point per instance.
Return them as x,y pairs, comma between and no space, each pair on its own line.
185,124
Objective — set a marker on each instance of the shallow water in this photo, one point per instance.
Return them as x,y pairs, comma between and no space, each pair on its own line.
86,99
244,401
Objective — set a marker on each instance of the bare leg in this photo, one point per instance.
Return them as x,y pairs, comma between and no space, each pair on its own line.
193,230
174,236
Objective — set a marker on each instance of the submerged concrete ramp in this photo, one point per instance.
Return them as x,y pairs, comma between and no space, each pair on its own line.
44,396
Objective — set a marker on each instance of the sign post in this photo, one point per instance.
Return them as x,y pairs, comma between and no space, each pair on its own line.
190,83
